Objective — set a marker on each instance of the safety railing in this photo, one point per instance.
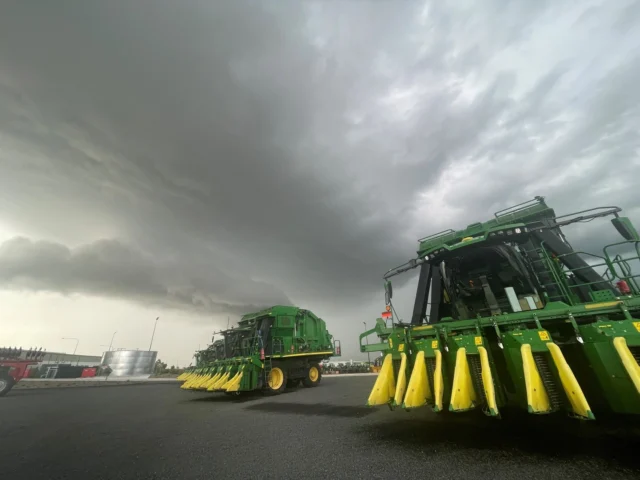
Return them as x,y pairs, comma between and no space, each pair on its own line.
242,347
625,271
441,234
277,346
615,269
534,202
251,346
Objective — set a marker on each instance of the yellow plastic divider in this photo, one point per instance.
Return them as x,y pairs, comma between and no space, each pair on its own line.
628,361
223,379
385,387
438,383
213,380
487,382
234,385
418,390
571,387
229,382
188,384
205,378
463,396
537,398
401,385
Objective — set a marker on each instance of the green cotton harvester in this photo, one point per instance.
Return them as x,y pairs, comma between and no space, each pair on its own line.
508,316
268,350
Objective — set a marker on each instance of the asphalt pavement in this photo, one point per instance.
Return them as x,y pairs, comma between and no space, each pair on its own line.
157,431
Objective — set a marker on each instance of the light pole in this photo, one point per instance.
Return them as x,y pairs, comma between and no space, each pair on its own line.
75,349
112,337
154,332
77,342
368,353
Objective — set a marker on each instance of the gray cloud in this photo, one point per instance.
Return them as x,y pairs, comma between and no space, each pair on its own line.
110,268
306,146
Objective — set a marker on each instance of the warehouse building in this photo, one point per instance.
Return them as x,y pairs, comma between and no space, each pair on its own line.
57,357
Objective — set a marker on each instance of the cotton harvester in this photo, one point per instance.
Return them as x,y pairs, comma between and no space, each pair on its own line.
508,316
269,350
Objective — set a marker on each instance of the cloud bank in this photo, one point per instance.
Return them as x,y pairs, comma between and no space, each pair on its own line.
110,268
263,152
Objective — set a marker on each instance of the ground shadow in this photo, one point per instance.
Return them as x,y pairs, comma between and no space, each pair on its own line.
312,409
215,397
545,436
200,396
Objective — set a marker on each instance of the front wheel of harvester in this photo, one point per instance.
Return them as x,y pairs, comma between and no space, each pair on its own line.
6,384
313,376
276,381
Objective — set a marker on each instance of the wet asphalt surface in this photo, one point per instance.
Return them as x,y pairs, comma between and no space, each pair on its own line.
162,432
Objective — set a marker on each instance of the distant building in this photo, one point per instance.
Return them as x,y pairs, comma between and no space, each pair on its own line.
123,363
59,357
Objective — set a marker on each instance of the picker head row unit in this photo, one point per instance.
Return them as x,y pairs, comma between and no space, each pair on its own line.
508,314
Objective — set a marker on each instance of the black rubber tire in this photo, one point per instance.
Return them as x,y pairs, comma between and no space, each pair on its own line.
275,391
293,382
307,381
6,383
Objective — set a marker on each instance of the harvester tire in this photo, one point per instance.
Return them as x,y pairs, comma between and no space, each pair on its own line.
313,376
6,383
276,381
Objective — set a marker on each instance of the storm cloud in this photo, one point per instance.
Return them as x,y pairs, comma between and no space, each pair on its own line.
110,268
260,152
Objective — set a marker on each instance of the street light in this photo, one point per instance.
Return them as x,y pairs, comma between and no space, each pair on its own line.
112,337
77,342
75,349
154,332
368,353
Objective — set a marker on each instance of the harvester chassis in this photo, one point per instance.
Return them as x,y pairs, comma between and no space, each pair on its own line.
294,371
269,351
508,316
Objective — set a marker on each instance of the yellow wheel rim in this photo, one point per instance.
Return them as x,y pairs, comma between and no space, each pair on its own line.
276,378
313,374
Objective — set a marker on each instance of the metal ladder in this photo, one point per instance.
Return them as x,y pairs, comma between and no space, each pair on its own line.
268,362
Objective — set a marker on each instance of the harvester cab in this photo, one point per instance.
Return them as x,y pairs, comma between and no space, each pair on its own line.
508,314
268,350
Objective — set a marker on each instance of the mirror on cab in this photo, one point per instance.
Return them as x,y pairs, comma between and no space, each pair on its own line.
625,228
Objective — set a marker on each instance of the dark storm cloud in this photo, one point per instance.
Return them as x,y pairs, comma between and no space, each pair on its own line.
110,268
304,145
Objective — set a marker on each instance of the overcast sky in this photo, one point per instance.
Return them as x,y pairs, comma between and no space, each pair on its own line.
198,160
